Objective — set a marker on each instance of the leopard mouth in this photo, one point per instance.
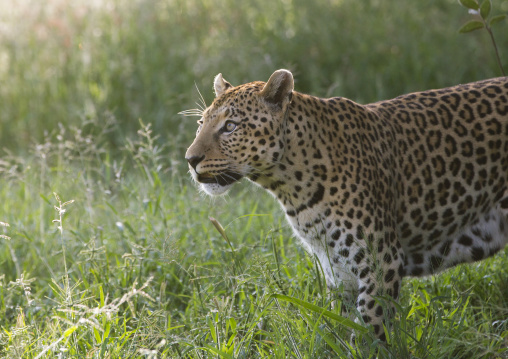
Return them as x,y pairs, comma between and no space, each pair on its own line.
223,179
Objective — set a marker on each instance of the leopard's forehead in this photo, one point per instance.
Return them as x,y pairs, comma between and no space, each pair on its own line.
238,96
237,100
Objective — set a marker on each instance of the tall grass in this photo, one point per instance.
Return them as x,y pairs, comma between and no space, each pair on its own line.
133,268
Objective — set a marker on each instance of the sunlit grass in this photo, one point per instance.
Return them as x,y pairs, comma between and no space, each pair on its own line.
133,267
69,61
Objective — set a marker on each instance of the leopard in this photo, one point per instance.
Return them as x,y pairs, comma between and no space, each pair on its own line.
405,187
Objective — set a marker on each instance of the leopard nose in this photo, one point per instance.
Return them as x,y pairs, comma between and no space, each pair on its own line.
194,160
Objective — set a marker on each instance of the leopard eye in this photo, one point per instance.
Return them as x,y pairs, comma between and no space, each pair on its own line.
200,125
229,127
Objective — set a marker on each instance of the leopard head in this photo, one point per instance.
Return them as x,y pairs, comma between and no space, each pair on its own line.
241,133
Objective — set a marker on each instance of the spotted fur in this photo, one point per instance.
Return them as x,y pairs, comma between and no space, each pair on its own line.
404,187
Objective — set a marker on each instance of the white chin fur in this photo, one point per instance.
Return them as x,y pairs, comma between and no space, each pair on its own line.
214,189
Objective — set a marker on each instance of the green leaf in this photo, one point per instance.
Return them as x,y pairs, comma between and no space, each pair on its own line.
212,329
46,199
216,351
129,228
485,9
344,321
220,229
471,26
331,342
232,324
105,335
496,19
470,4
101,296
70,331
104,347
229,344
97,335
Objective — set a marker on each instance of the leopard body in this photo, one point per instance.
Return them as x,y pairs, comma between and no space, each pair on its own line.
403,187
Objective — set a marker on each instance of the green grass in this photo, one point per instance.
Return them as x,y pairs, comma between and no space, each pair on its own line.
137,270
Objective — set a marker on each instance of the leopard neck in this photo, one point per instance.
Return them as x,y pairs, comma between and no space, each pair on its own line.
311,150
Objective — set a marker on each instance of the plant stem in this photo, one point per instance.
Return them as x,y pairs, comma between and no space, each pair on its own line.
495,48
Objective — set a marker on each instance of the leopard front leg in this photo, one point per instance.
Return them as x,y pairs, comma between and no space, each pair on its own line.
378,264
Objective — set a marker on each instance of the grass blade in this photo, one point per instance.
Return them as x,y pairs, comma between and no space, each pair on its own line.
343,321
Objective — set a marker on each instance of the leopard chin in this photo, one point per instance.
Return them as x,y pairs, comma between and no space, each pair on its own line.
215,189
218,184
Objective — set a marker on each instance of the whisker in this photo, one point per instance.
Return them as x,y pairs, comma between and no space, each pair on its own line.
227,174
192,112
224,175
201,106
203,103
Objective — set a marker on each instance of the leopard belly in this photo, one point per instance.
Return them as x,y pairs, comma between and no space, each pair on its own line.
476,241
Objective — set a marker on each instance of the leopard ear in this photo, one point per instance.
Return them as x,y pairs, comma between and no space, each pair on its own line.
279,88
220,85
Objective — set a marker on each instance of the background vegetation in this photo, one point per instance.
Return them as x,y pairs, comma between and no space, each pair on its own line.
89,96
